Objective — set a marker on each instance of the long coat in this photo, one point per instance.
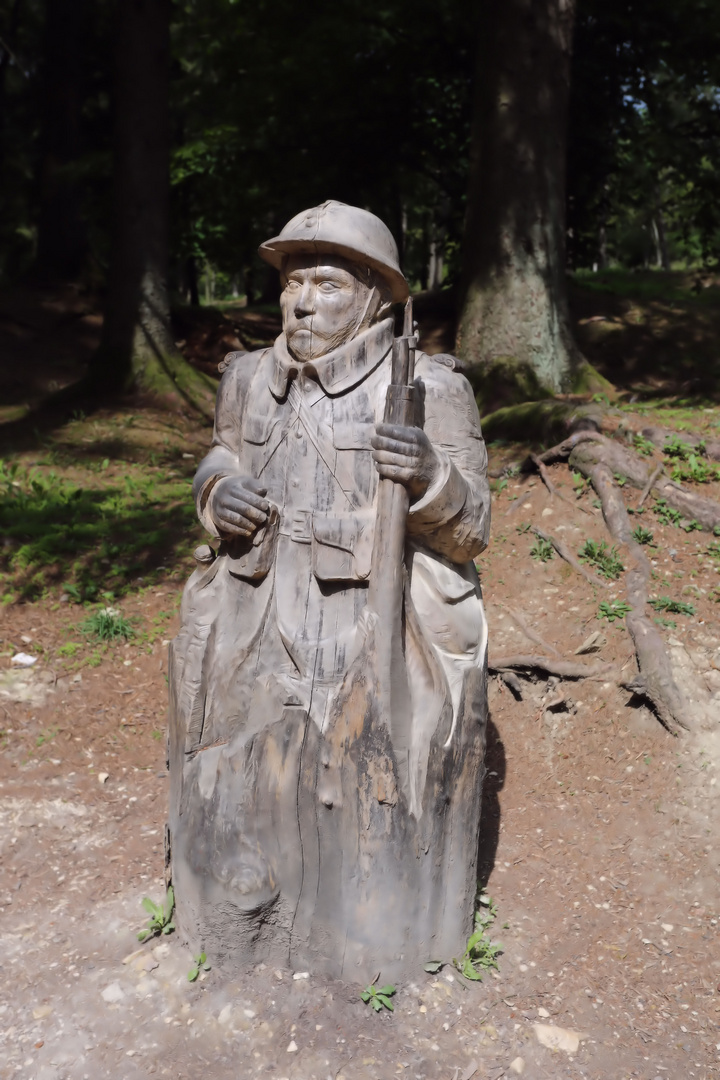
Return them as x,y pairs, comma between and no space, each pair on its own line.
274,621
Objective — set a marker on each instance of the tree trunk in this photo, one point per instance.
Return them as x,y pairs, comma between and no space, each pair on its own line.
513,328
62,244
137,351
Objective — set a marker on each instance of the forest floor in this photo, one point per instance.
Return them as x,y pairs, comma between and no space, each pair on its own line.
599,827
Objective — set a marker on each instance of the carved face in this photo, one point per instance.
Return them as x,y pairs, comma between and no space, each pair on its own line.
324,304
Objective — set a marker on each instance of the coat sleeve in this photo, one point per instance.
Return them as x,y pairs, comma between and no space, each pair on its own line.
453,516
222,459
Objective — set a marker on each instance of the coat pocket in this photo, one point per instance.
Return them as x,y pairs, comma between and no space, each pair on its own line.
258,427
352,435
251,557
342,547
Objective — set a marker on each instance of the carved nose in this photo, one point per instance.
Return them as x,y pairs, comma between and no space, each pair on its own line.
305,303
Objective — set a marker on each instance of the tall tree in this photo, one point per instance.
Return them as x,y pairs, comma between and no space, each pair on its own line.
61,230
513,328
137,351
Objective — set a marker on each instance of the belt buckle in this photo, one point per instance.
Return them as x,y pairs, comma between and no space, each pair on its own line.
301,527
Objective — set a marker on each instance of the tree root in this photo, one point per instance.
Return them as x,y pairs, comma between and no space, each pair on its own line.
654,680
587,448
565,553
565,669
659,436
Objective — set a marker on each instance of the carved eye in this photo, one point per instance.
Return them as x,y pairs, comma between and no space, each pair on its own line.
328,286
292,286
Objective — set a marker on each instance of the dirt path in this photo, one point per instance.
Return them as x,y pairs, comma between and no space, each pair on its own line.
598,846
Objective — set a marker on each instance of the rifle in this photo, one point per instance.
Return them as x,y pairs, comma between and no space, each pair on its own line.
387,570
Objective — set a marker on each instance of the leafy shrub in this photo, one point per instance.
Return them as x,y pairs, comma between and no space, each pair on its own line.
604,559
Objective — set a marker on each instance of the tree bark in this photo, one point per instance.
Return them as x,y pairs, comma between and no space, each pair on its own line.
137,351
514,327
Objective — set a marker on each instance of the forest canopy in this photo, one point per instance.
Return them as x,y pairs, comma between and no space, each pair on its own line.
274,107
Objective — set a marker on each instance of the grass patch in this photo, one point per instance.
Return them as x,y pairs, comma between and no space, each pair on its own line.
614,609
107,624
542,550
106,538
674,607
604,559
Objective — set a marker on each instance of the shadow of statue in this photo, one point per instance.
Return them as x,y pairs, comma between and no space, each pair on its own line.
496,765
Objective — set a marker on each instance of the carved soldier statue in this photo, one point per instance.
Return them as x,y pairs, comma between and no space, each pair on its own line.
328,684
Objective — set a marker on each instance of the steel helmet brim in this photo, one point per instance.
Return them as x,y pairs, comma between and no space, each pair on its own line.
275,251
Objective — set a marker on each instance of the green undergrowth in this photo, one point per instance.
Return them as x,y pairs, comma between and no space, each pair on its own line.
91,531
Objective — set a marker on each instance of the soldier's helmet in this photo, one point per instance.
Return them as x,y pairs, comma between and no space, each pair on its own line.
334,227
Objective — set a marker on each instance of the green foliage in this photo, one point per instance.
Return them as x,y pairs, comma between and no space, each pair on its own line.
480,953
107,624
525,527
675,447
92,541
612,610
643,445
378,997
160,916
604,559
695,470
641,535
675,607
542,550
713,550
666,514
199,965
667,623
692,526
70,649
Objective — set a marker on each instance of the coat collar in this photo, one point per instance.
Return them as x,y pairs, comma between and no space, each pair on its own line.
338,370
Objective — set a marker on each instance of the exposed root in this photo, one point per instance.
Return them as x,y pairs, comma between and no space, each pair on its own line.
590,447
565,553
565,669
655,679
531,634
659,436
512,682
545,476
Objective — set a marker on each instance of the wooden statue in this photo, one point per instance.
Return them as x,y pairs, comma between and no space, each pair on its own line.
328,685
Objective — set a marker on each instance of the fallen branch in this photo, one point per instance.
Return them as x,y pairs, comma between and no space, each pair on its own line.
565,553
531,634
649,486
655,680
565,669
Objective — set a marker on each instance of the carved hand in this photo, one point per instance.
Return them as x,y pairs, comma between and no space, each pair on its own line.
237,505
406,455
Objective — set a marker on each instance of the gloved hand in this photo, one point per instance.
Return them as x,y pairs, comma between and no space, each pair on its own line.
406,455
237,506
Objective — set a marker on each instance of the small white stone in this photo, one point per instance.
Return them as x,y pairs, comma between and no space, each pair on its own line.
667,927
547,512
518,1066
103,777
301,975
113,993
225,1014
22,659
543,1012
292,1047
